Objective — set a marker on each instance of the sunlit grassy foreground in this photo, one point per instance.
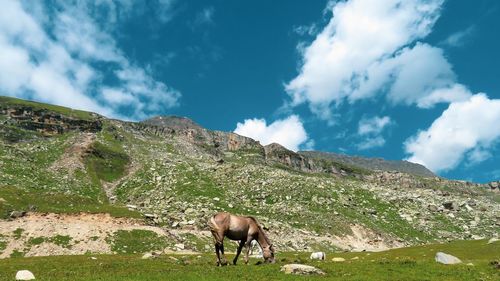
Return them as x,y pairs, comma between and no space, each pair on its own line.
415,263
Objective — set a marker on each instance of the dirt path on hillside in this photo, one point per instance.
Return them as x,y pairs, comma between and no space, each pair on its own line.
72,158
88,233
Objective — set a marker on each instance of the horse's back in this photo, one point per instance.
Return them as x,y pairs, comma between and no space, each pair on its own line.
218,220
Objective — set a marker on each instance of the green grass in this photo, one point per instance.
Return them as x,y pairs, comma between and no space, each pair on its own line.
136,241
55,202
36,240
17,254
61,240
17,233
13,102
3,243
106,163
415,263
12,134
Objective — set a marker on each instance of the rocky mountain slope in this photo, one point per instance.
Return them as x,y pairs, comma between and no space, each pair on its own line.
175,174
374,164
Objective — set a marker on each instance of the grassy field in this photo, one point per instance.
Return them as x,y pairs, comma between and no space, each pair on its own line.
414,263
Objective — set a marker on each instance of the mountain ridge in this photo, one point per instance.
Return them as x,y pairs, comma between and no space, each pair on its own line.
176,174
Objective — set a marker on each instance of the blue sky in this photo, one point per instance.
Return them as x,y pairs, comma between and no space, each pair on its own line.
414,79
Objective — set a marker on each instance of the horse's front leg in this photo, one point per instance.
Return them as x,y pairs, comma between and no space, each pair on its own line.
248,245
238,252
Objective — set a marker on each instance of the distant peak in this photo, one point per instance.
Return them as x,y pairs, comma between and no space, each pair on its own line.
172,121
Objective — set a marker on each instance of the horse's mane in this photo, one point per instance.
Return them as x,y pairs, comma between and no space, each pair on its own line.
261,229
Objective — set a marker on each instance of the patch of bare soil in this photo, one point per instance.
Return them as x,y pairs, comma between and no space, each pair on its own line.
72,158
88,233
365,239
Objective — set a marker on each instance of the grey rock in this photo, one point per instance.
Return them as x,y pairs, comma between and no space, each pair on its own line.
17,214
301,269
451,206
152,255
446,258
493,240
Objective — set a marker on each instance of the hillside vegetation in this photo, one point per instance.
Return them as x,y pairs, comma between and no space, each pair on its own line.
415,263
176,174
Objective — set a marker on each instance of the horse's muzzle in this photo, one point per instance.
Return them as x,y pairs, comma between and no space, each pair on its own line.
270,261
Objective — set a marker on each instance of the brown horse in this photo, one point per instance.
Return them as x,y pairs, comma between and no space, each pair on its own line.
242,229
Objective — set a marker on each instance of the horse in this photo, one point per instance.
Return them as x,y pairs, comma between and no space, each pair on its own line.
239,228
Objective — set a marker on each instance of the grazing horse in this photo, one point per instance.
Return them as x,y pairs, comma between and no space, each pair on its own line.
242,229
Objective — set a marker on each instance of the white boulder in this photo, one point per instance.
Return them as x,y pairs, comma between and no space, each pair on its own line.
24,275
446,258
493,240
301,269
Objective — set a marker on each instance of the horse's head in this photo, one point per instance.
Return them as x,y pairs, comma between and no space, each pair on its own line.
268,254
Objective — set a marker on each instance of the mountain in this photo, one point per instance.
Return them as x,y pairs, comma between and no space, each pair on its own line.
374,164
175,174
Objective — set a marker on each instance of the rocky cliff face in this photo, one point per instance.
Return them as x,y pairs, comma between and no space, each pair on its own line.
187,129
278,153
373,164
47,122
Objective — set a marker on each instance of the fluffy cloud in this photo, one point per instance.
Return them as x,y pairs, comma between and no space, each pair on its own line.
372,142
288,132
370,129
58,54
458,39
373,125
467,129
370,47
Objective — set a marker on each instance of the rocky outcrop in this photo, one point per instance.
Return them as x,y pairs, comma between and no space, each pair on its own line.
373,164
494,185
181,127
278,153
47,122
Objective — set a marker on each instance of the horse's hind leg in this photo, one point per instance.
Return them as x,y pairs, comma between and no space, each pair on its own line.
238,252
217,253
221,247
217,244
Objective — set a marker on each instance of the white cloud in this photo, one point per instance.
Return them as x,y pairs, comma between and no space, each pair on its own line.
454,93
373,125
478,155
372,142
466,127
302,30
205,16
52,57
288,132
365,49
370,129
458,39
